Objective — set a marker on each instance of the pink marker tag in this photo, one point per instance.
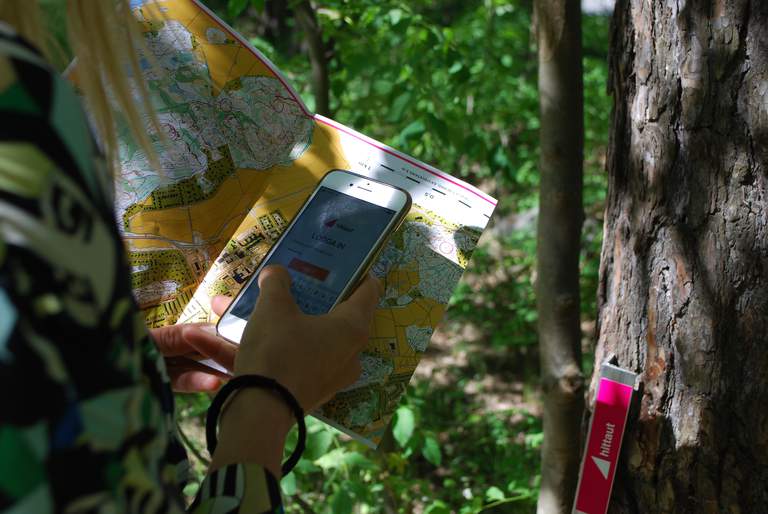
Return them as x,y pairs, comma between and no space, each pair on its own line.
606,430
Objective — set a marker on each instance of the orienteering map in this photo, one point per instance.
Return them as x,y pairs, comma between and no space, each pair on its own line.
228,123
239,155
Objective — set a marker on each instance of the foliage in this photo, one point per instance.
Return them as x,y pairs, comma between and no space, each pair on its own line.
454,84
438,467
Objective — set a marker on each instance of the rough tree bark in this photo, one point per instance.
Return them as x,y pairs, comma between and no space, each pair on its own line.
558,243
683,295
321,86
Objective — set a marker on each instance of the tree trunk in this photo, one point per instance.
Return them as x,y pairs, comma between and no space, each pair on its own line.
321,85
276,28
558,243
683,295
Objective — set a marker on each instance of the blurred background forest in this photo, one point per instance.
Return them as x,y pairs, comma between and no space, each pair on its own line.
453,83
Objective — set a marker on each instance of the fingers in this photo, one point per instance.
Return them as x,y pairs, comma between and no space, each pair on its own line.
219,304
186,381
203,339
194,339
358,309
275,291
170,341
367,295
351,320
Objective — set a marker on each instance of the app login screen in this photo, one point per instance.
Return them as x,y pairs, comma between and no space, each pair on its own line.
323,249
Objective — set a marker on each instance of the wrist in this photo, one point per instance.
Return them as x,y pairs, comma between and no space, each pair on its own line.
283,378
252,428
256,408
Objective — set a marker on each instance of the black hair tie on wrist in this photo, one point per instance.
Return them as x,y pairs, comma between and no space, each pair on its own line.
212,420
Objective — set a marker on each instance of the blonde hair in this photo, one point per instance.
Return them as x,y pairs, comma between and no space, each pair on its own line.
105,41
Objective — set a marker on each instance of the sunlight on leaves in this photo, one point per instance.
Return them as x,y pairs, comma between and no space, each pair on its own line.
404,425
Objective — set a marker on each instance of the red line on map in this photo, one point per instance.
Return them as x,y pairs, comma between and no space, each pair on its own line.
250,48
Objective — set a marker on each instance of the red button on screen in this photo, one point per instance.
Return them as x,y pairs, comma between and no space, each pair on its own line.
308,269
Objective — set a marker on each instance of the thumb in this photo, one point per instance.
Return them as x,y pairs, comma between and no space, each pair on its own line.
275,290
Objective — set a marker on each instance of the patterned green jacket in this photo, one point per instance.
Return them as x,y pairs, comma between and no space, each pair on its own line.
87,420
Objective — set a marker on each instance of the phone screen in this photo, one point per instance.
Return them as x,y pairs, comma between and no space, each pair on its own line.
322,250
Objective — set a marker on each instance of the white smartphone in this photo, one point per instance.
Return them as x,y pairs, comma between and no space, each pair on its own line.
328,247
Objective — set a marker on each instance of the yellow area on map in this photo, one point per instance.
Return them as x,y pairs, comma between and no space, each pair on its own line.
177,229
286,190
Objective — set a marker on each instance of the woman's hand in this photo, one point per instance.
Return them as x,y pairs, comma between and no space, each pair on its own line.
313,356
182,345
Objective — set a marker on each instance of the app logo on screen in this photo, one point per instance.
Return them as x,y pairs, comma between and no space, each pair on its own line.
332,223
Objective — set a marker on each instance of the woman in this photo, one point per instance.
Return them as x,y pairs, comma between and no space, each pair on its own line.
87,423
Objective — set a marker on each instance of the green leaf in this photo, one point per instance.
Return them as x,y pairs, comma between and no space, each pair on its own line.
399,106
534,439
236,7
413,129
288,484
306,466
404,425
339,457
263,45
395,15
360,491
318,444
331,14
358,460
341,502
494,494
191,488
382,86
332,459
431,451
437,507
439,127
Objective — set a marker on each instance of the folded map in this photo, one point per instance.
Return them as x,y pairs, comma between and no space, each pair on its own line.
240,155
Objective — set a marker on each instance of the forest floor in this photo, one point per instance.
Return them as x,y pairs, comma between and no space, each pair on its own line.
459,353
